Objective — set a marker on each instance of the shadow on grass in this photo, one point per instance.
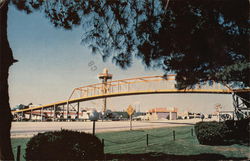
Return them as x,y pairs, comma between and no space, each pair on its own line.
153,156
177,123
243,141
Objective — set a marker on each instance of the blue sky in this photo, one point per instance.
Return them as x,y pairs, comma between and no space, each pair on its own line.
52,62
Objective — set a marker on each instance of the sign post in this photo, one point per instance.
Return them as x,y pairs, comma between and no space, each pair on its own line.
130,111
130,122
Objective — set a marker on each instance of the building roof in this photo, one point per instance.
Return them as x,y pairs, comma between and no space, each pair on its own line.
163,110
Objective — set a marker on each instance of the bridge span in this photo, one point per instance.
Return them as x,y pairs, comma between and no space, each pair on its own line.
127,87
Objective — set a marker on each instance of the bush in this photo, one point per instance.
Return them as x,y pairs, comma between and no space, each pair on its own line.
240,128
64,145
212,133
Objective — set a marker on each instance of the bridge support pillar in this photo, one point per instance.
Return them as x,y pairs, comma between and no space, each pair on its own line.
41,114
54,113
63,109
30,115
67,111
77,112
241,105
23,116
50,114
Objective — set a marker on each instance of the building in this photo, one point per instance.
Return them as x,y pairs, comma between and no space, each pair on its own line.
162,113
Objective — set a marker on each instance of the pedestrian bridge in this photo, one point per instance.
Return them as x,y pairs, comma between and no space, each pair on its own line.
133,86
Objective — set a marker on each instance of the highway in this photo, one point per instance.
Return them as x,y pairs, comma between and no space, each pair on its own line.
28,129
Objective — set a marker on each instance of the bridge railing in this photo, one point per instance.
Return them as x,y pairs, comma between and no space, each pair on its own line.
141,85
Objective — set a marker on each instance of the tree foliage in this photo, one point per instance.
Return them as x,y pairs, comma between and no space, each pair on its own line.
197,40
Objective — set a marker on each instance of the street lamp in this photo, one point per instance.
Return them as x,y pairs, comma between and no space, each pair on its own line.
93,116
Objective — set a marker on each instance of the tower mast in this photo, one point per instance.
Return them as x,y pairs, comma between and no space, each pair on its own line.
105,76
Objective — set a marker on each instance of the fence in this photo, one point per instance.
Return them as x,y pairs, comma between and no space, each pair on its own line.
146,139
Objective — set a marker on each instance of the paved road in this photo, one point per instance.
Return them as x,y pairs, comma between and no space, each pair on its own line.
28,129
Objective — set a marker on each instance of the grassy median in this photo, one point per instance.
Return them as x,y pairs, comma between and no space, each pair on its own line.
159,143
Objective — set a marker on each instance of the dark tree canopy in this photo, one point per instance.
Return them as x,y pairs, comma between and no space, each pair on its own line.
198,40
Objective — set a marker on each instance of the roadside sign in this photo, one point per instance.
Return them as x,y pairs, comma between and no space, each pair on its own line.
130,110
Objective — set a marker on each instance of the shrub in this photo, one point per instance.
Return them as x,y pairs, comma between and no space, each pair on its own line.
240,128
64,145
212,133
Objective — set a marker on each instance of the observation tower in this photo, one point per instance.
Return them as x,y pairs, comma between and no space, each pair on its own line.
105,76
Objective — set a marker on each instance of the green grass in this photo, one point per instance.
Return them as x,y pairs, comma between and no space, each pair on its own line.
19,141
160,141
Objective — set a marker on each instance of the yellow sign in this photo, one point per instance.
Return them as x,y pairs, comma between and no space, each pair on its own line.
130,110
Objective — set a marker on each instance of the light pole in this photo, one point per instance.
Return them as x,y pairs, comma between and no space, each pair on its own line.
93,116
